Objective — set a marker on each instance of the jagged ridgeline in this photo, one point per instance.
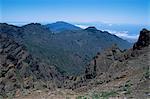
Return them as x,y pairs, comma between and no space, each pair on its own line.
20,72
69,50
125,73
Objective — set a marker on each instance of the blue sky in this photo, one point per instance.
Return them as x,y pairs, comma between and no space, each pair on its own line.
110,11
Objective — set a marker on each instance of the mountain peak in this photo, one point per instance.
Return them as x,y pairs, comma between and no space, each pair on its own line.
63,22
91,28
144,39
33,24
60,26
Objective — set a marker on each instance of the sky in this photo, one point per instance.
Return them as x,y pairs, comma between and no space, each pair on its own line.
107,11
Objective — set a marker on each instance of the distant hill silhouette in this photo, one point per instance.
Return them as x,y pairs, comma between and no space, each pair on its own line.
60,26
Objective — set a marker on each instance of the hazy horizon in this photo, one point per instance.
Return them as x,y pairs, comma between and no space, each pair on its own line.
124,18
129,32
76,11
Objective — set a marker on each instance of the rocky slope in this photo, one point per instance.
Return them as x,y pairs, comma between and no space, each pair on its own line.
125,73
69,50
20,72
111,73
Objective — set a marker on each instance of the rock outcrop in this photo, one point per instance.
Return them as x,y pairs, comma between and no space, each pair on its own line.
113,69
19,71
143,41
103,61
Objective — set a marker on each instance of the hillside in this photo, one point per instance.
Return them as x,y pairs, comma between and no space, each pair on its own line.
69,50
117,73
112,74
20,73
84,44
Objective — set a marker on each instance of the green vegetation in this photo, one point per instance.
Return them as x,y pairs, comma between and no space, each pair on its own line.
99,82
104,95
68,50
54,55
1,97
95,96
99,95
127,88
147,73
109,94
82,97
10,95
68,98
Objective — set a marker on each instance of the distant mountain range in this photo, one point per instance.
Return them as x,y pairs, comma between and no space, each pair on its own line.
69,50
61,26
128,32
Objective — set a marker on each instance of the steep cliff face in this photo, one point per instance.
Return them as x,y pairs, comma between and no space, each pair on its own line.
102,62
115,68
143,41
19,71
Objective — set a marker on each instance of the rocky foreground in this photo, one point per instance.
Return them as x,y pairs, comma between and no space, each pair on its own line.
112,74
20,72
117,73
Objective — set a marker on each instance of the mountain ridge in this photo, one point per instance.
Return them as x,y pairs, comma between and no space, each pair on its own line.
123,72
115,69
21,72
67,50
